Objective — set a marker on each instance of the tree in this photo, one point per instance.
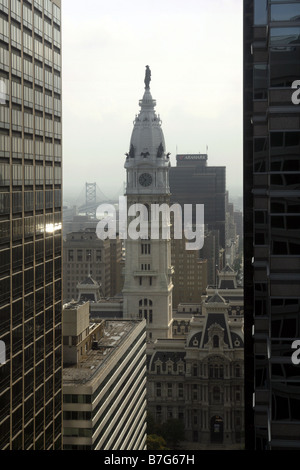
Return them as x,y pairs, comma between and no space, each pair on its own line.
173,431
155,442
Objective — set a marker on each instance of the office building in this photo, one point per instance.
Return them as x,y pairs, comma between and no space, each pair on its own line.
190,274
86,255
31,225
104,382
271,223
192,181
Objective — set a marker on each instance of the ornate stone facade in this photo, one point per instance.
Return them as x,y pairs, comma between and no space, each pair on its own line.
199,377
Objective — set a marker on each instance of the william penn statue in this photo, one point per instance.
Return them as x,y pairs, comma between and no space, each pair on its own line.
147,77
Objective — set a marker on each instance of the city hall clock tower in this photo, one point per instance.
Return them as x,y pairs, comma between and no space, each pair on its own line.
147,291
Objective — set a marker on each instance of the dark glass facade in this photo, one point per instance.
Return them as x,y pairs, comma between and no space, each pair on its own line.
271,223
192,181
30,224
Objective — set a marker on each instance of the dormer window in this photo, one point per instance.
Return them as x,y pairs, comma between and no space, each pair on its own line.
216,341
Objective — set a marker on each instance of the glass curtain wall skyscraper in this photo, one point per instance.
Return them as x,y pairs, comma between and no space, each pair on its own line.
272,222
30,224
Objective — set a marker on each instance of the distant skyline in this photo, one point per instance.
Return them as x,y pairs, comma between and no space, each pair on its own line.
194,50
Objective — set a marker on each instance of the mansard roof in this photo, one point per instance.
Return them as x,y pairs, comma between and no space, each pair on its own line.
165,356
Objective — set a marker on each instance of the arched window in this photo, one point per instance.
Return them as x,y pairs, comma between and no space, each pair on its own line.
216,341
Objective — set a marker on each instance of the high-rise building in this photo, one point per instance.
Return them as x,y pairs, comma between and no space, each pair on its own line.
192,181
148,271
104,381
190,273
271,222
31,224
85,254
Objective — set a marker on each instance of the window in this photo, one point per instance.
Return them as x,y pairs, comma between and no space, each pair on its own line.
260,81
158,414
237,370
147,310
285,36
145,248
158,389
88,255
260,12
216,341
216,394
170,390
286,12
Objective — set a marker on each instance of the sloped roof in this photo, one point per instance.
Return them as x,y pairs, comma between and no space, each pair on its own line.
216,298
88,281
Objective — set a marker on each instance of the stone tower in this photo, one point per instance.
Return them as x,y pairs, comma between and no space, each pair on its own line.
148,272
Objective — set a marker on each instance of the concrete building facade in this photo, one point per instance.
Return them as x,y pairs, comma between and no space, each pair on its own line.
104,382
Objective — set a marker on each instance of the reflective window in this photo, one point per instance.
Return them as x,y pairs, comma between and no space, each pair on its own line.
29,227
39,250
284,152
28,201
285,36
17,205
28,253
28,174
17,285
260,12
284,66
4,174
49,199
260,81
17,229
39,200
4,232
4,261
287,12
39,275
17,175
28,280
4,291
4,203
261,154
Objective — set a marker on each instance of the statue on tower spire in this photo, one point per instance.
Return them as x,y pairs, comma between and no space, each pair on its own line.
147,77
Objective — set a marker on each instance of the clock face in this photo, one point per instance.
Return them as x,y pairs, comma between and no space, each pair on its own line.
145,179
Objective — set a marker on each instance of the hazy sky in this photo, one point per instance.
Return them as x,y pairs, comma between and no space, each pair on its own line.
194,50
